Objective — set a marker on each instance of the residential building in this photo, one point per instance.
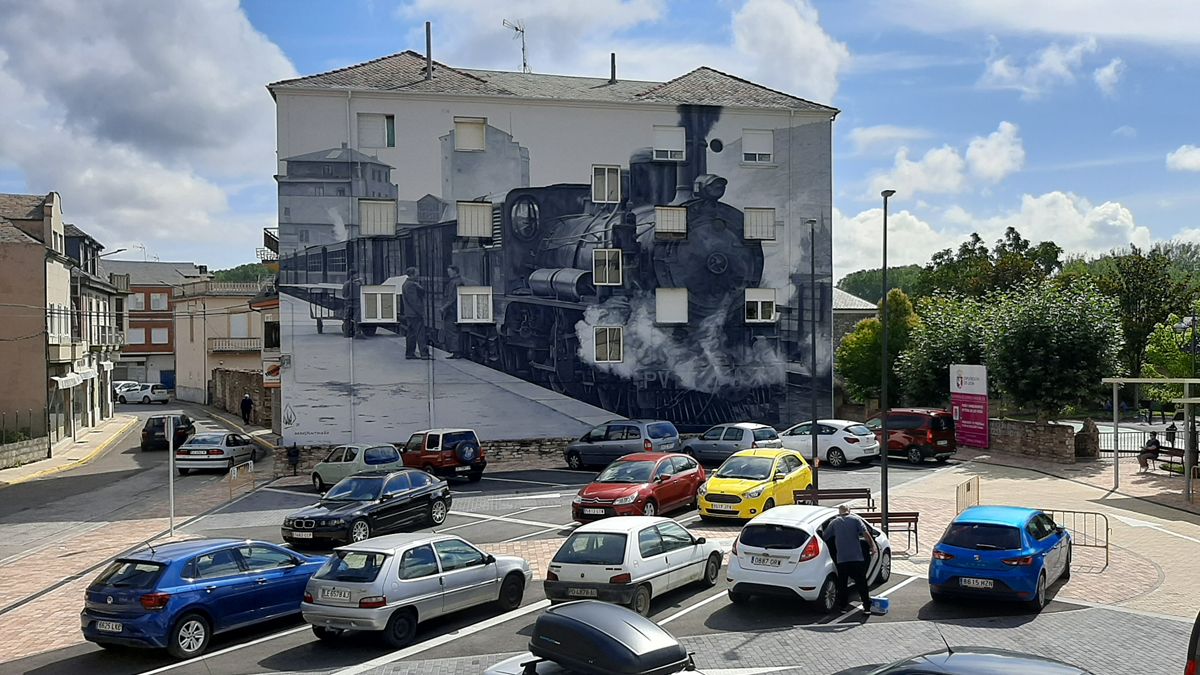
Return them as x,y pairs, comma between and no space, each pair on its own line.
848,310
635,248
93,307
147,316
266,303
214,327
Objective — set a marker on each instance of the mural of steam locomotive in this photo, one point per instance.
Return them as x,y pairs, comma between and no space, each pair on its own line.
551,262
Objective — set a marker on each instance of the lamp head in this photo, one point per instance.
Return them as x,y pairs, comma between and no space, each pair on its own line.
810,222
887,193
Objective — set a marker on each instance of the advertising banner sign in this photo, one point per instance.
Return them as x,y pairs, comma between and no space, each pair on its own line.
969,404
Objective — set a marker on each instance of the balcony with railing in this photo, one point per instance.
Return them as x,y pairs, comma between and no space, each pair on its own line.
242,344
221,288
104,338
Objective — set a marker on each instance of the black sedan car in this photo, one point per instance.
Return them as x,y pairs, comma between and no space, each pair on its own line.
154,434
368,504
972,661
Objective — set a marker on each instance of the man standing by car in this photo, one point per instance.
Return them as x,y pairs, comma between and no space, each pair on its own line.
413,294
247,408
450,313
846,534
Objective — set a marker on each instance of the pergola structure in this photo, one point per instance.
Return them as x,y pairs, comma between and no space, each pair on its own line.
1188,401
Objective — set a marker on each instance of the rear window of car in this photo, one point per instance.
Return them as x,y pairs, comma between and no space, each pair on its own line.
154,423
982,536
661,430
765,435
773,536
381,455
942,423
158,387
352,567
206,440
592,548
130,574
859,430
454,438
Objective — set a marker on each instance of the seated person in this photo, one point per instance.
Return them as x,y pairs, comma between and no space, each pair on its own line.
1149,451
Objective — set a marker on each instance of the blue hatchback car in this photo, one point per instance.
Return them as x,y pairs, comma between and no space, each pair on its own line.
177,596
1004,552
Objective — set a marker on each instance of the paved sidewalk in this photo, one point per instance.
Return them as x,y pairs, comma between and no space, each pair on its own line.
68,453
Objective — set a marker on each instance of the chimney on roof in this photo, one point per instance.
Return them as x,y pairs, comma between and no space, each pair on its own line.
612,79
428,51
343,145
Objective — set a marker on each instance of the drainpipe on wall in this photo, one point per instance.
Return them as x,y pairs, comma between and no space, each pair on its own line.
46,349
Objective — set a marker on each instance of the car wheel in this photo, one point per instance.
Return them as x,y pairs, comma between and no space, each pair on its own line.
640,602
827,599
437,512
121,399
360,530
145,399
938,598
885,568
914,455
401,629
650,508
326,634
836,458
1066,573
574,461
475,476
428,468
1039,595
229,466
712,570
318,484
189,637
738,598
184,472
511,592
769,505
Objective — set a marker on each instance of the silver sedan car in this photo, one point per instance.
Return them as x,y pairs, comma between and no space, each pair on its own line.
221,451
389,584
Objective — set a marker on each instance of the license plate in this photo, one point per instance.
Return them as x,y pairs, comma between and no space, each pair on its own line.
462,469
722,507
302,535
593,512
581,592
199,452
335,594
108,626
765,561
668,446
943,442
968,582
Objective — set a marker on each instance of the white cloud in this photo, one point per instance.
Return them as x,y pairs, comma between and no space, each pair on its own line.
1184,158
886,136
996,157
857,240
1107,77
1125,131
1045,69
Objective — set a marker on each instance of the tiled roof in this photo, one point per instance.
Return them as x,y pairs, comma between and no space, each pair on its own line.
22,207
342,154
11,234
151,273
846,301
406,72
70,230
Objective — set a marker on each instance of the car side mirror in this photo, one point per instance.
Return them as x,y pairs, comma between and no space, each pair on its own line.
489,559
386,496
661,479
701,540
779,475
295,562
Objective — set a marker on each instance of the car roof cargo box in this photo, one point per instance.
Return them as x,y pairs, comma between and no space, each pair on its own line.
595,638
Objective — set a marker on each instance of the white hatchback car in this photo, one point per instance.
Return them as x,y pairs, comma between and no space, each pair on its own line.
630,560
838,441
781,553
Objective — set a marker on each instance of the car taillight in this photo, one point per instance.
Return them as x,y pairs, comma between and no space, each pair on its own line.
811,550
308,597
851,439
647,445
1019,562
551,576
620,579
942,555
372,602
155,600
1190,668
929,435
216,452
733,549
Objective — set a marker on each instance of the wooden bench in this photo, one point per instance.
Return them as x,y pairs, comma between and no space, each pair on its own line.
907,519
814,497
1170,456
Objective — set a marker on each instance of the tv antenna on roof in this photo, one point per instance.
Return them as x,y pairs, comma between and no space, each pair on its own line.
518,29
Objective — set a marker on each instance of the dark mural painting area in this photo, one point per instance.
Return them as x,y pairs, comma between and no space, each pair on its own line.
550,309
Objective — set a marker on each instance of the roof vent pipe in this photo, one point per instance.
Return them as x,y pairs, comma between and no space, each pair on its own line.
428,51
612,79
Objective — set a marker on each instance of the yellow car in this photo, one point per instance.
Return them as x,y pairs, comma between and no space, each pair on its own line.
752,481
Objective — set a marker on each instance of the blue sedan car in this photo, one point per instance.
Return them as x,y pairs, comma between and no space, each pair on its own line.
177,596
1004,552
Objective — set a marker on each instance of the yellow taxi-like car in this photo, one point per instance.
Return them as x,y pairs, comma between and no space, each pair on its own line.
752,481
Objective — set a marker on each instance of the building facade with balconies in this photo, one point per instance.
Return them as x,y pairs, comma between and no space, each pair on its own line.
93,307
214,328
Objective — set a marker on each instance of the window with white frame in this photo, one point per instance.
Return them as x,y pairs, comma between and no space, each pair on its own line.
760,305
671,305
670,220
606,184
379,303
470,133
137,302
376,131
758,146
760,223
377,218
669,143
606,266
609,344
159,336
158,301
136,336
474,304
474,219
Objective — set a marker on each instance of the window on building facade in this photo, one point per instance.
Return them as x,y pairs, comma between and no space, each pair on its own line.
760,224
302,235
326,170
669,143
379,303
470,133
136,336
606,184
475,304
758,146
670,221
341,192
671,305
376,131
159,336
760,305
158,301
606,266
377,218
609,344
474,219
137,302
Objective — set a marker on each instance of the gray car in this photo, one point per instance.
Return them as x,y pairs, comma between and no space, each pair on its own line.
721,441
617,438
390,584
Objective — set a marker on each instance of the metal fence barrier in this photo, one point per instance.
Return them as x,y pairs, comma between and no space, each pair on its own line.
967,494
1131,441
1088,529
239,476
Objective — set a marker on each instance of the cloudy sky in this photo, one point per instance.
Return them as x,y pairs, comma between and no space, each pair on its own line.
1072,120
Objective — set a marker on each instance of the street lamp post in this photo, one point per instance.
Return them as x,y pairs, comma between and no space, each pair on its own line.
1189,452
883,384
812,256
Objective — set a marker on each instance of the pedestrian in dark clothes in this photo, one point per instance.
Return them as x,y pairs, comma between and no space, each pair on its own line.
413,297
247,408
846,534
453,336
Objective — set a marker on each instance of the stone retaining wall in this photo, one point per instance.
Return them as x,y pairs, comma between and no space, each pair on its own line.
1051,442
24,452
228,388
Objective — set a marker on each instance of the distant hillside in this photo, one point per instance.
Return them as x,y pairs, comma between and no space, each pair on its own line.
243,273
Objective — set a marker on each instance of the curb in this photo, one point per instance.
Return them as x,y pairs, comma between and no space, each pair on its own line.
79,462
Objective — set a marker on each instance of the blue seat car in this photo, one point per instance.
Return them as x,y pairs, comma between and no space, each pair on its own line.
177,596
1002,552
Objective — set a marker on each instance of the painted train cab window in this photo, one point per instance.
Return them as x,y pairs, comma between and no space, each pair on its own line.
609,344
606,267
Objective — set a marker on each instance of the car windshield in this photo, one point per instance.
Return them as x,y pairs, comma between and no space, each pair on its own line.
773,536
859,430
983,536
207,439
592,548
355,490
130,574
352,566
749,468
626,472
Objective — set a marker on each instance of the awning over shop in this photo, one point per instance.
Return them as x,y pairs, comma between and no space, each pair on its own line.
67,381
107,366
86,373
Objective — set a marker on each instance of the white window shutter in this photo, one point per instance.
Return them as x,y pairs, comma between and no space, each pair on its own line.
470,133
671,305
372,131
758,142
672,219
760,223
377,217
474,219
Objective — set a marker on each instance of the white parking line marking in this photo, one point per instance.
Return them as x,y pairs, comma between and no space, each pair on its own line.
227,650
442,639
531,482
503,519
543,495
571,525
479,522
690,608
882,594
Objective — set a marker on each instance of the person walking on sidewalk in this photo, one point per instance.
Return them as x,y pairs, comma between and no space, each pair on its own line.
247,408
846,534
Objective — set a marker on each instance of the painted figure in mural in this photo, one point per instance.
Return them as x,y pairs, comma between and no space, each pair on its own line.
351,291
452,337
416,344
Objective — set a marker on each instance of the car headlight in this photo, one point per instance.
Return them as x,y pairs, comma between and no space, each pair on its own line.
577,500
287,522
627,499
756,492
335,521
703,489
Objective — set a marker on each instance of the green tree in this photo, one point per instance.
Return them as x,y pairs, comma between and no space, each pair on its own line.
950,331
868,284
1168,354
974,270
243,273
859,358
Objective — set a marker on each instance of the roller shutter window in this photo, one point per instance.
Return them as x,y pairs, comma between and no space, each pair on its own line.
671,305
376,131
377,217
136,336
475,219
669,143
470,133
606,267
760,224
239,325
606,184
758,146
475,304
670,220
760,305
608,344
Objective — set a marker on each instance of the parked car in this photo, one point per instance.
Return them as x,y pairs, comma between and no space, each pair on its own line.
178,595
838,442
645,484
630,561
972,661
917,433
347,460
214,451
369,504
446,453
1000,552
1193,654
752,482
145,393
119,386
781,553
718,443
617,438
390,584
154,433
588,637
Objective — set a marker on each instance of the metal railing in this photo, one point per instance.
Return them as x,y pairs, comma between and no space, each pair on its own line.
245,344
1131,441
1088,529
22,425
239,476
967,494
197,288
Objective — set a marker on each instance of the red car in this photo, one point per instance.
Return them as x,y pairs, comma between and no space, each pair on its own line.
641,484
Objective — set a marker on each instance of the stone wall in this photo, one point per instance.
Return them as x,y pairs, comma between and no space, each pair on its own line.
498,452
24,452
1051,442
1087,441
229,386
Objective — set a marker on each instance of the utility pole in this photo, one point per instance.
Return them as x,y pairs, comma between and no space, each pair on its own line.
883,385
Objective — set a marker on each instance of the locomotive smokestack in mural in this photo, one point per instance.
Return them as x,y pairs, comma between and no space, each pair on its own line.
697,121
